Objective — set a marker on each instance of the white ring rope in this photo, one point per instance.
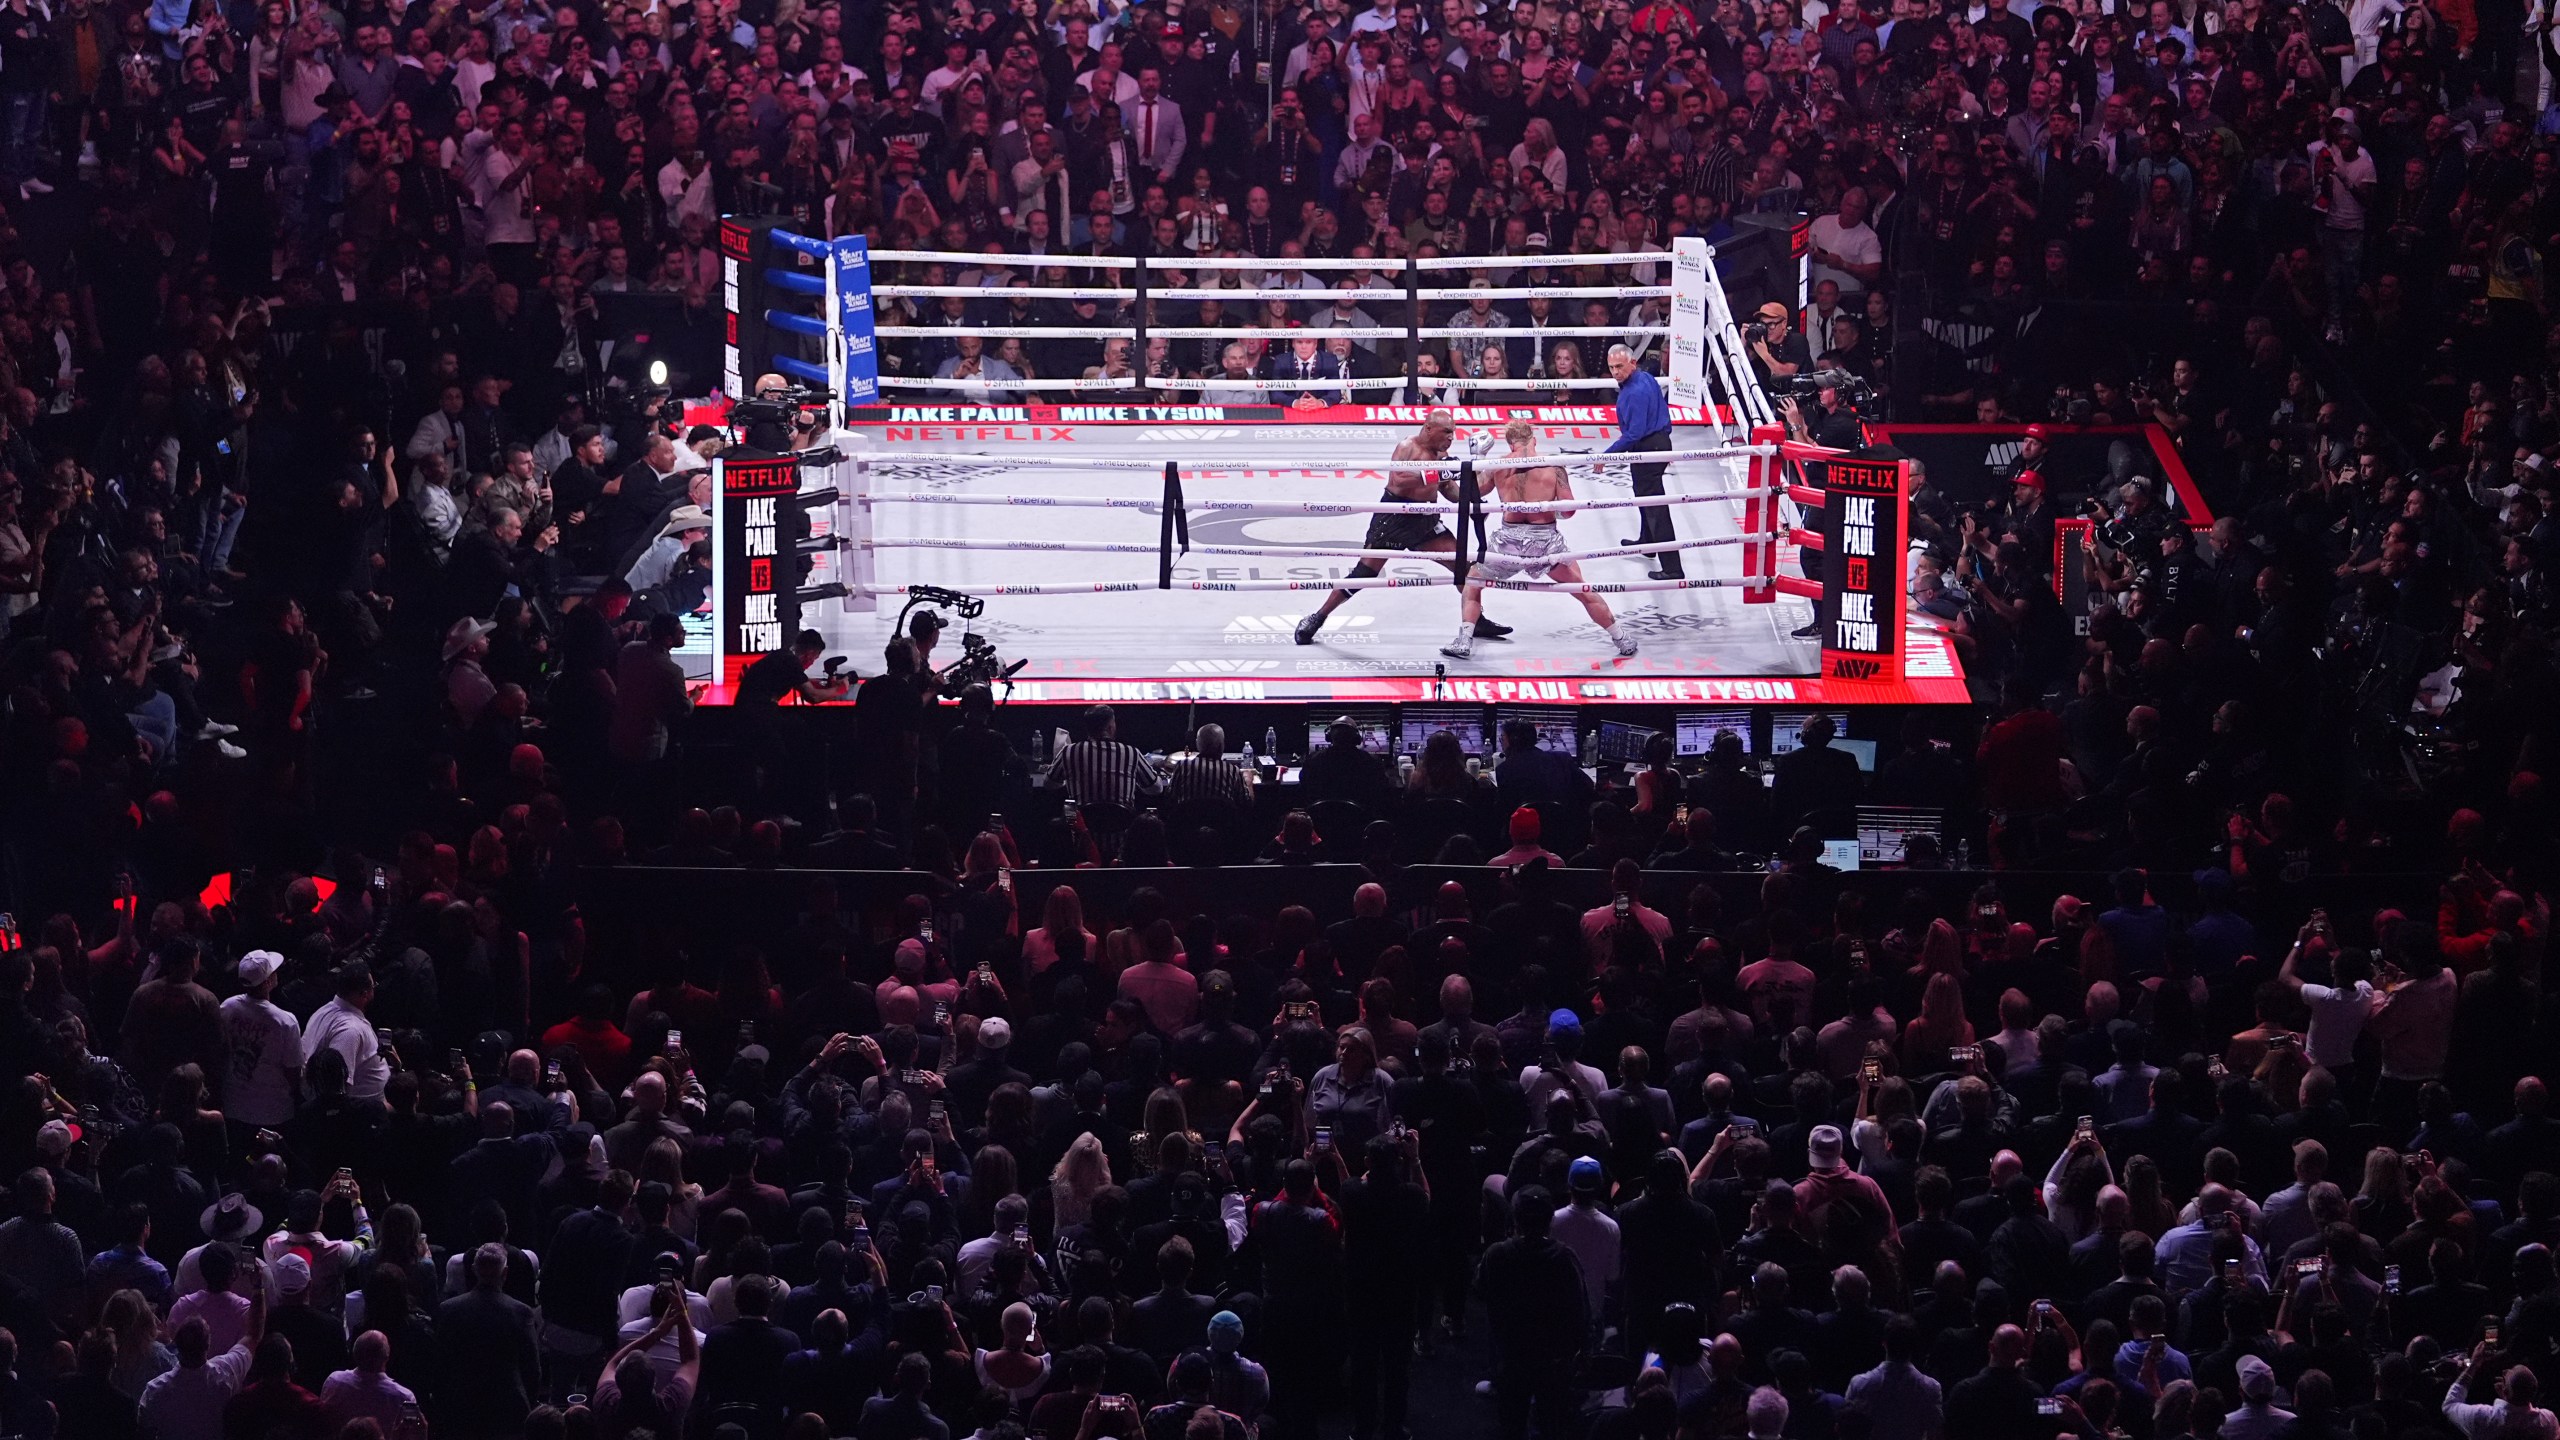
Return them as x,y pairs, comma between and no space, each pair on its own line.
1009,332
1520,382
1263,263
982,260
1378,582
985,386
1485,465
1554,292
1119,547
1563,260
1276,332
1353,382
1001,292
1301,507
1312,297
1574,332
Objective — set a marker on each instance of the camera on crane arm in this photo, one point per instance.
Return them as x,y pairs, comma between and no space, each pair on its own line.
978,663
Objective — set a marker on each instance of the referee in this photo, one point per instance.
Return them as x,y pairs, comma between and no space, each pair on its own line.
1099,770
1644,423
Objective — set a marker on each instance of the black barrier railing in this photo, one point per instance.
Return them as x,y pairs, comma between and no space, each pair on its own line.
623,902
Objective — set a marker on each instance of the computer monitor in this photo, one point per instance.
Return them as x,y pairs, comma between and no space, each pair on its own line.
1863,751
1786,728
1884,831
1693,732
1414,724
1623,744
1555,727
1376,725
1842,854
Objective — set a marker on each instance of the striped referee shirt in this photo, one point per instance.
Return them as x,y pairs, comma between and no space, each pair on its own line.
1194,778
1104,772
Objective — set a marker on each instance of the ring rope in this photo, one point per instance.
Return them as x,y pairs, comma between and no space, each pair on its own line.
1378,582
955,383
1551,262
1299,507
1577,332
1121,547
1489,463
1349,382
998,262
1556,292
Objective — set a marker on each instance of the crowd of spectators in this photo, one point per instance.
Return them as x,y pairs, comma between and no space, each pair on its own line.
339,584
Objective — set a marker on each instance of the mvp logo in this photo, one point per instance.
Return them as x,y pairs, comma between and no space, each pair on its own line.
1849,668
1185,434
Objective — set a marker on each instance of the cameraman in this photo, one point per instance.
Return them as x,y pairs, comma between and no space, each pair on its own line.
1778,353
2125,542
786,673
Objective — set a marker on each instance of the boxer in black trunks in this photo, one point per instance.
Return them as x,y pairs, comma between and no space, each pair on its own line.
1421,533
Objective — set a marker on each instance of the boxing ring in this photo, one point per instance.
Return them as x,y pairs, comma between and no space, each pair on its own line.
1132,551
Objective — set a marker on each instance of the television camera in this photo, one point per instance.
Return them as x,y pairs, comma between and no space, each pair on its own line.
978,663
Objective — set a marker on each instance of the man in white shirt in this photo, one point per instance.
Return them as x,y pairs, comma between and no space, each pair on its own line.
955,68
186,1403
265,1042
2338,1009
1381,15
1844,247
367,1392
2512,1416
504,174
1582,1227
341,1025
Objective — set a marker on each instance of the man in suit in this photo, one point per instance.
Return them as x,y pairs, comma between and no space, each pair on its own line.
491,1368
1306,360
1156,129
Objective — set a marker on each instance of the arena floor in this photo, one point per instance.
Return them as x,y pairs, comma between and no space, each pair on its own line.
1155,635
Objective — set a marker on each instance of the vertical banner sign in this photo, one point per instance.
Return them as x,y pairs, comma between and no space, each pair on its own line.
860,382
734,257
1862,524
749,580
1688,368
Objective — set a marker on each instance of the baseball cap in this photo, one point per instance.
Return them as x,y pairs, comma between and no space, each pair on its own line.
1823,1145
1583,1175
257,965
2028,478
1563,1022
1228,1321
2257,1378
55,1138
994,1033
293,1274
2039,432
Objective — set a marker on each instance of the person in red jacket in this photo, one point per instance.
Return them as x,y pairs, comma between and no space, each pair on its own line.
270,1404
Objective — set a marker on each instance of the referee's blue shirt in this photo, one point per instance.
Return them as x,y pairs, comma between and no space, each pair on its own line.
1642,412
